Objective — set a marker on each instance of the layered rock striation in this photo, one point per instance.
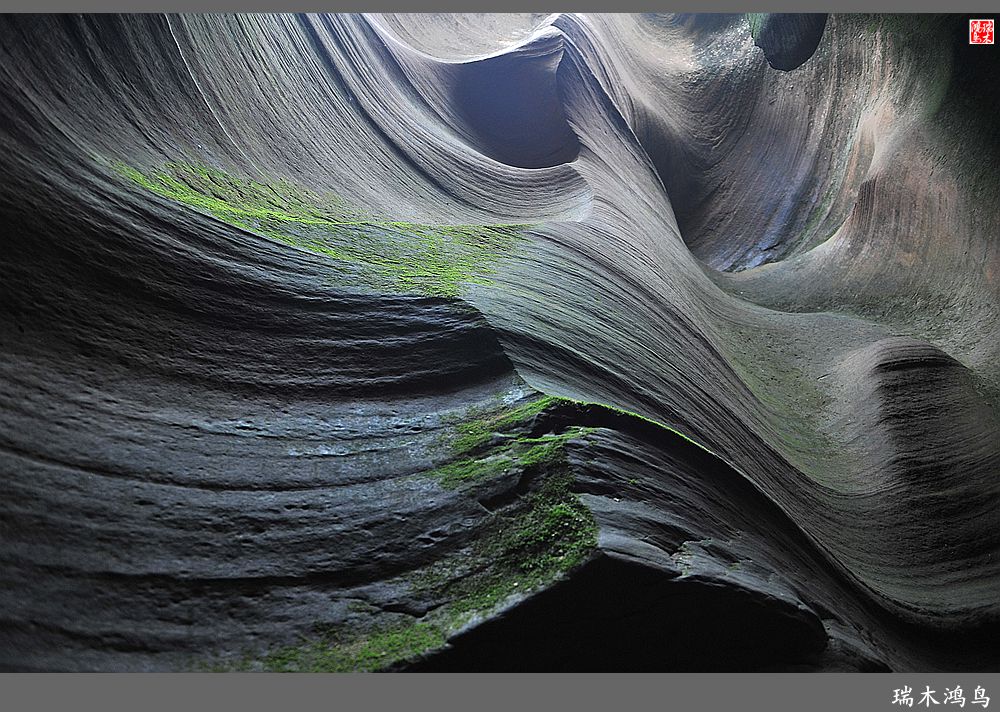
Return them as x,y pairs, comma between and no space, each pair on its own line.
517,342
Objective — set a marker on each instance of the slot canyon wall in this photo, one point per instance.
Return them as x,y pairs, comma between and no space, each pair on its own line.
504,342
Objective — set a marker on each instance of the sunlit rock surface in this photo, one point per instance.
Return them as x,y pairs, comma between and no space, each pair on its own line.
512,342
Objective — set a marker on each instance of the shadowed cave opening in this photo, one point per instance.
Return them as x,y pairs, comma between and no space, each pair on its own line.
702,167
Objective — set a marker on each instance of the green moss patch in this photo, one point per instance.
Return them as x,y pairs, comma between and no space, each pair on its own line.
490,443
455,474
524,547
334,651
385,255
536,536
476,429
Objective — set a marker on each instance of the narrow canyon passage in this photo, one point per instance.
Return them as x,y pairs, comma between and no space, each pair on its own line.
507,342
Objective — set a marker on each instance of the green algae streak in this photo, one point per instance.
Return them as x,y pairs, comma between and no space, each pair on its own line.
364,250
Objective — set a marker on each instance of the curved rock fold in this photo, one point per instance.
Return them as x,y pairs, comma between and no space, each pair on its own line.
514,342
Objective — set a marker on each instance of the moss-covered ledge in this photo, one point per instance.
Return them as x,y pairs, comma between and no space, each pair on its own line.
365,250
532,539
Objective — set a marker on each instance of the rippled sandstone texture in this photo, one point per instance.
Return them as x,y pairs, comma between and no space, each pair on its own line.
499,343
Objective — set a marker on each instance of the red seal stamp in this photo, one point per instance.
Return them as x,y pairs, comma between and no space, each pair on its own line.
980,31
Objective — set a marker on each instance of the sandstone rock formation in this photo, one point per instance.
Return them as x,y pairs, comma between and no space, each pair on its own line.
498,343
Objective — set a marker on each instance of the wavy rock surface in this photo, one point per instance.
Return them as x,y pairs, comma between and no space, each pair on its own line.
551,342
